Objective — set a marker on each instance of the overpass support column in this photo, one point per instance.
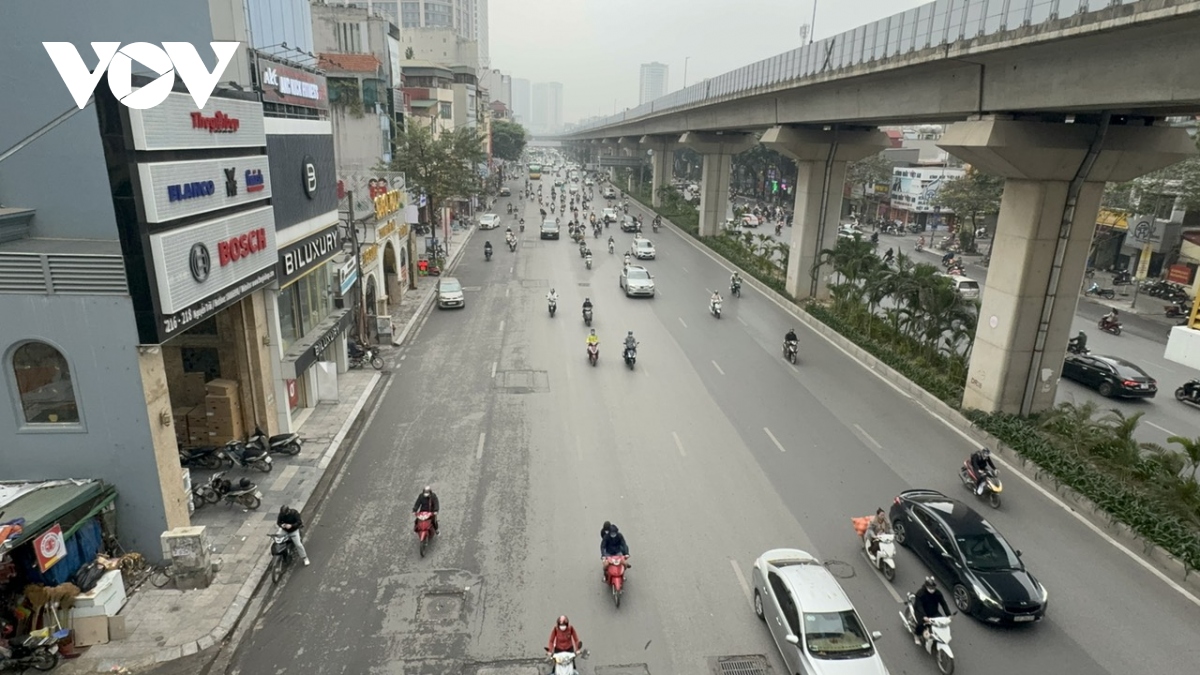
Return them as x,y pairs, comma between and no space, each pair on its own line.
1055,179
662,164
717,151
821,157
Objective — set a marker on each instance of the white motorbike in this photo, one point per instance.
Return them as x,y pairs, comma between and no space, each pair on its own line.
564,662
588,261
885,559
937,643
714,306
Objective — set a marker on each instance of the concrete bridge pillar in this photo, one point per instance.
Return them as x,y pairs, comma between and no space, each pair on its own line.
821,157
662,163
717,151
1055,179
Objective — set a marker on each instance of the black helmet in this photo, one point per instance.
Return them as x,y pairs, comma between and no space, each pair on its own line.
930,583
985,452
613,530
246,483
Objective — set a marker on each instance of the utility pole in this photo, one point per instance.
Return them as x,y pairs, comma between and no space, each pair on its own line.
361,296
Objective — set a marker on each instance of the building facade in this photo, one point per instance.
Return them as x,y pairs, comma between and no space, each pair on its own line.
914,194
522,101
653,82
467,19
547,107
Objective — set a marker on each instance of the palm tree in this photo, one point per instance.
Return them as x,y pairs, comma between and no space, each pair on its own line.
1074,424
1120,447
1191,449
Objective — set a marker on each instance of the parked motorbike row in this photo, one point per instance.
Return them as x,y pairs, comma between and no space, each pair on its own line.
253,453
1166,290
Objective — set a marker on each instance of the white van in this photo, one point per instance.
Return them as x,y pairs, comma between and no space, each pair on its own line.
966,286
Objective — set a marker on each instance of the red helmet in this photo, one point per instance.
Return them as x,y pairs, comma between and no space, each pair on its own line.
563,622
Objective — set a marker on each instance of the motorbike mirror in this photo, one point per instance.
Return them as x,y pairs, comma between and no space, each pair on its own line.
793,639
876,635
1018,553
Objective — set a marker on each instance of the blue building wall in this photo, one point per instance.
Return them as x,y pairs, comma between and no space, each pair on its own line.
273,22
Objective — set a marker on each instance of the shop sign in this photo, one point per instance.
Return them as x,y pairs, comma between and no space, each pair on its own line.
193,263
383,232
175,124
298,258
172,190
1180,274
347,275
291,86
50,547
369,255
309,176
388,203
293,394
403,231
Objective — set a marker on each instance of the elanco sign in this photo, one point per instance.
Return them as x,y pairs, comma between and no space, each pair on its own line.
295,260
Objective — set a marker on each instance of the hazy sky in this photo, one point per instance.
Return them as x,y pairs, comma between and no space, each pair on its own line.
595,47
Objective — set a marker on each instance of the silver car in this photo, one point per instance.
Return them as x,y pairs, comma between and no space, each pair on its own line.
636,280
813,623
489,221
450,293
642,249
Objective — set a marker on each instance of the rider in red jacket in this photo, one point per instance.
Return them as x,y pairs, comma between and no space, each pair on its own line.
563,637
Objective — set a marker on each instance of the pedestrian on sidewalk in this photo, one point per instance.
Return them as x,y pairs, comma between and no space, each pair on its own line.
289,522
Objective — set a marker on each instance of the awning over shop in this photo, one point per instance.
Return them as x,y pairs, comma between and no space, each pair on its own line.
1118,220
308,349
44,503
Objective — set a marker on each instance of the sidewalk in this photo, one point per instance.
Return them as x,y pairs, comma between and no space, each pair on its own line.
163,624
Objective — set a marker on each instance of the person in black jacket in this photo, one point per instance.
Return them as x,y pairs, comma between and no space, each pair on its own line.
427,501
982,465
928,603
289,521
612,542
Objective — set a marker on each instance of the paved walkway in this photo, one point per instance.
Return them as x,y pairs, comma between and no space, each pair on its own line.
165,624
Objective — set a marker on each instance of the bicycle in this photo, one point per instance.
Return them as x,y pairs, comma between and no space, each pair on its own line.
161,575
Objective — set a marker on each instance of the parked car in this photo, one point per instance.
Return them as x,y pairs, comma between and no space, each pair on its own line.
637,280
642,249
489,221
550,229
814,624
505,192
450,293
750,220
966,286
1109,375
965,552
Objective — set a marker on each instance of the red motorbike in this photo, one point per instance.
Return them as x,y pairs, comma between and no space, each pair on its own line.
614,575
424,529
593,353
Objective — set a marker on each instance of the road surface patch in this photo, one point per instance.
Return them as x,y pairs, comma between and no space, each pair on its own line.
754,664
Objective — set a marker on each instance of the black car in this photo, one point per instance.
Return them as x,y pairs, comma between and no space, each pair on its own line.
550,229
505,192
629,225
984,573
1109,375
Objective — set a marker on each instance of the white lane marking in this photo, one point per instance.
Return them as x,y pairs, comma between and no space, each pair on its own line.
501,326
684,269
479,448
867,436
403,356
743,322
1087,523
719,370
1163,429
742,582
510,270
774,440
493,369
681,321
507,291
879,575
678,443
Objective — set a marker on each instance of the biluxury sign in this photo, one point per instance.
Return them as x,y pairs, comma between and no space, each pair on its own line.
291,86
297,259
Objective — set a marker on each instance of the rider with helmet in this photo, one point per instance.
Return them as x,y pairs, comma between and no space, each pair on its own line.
928,603
289,521
564,638
427,501
587,306
612,543
981,464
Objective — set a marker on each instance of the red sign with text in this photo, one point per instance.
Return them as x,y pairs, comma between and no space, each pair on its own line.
50,547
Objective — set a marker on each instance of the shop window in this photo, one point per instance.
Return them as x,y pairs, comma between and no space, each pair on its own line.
205,360
289,330
447,110
43,382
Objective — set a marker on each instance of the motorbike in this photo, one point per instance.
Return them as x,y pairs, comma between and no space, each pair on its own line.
39,653
992,486
587,316
1095,289
789,350
654,225
630,356
424,529
611,248
583,250
280,444
593,354
552,305
714,306
1122,277
956,271
884,559
512,244
1074,348
487,254
588,261
283,552
369,355
564,662
735,288
937,644
1178,309
1113,327
203,457
247,456
1189,392
245,494
614,575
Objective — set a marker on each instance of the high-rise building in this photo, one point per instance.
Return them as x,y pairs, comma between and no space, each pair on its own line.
547,107
468,18
653,82
521,103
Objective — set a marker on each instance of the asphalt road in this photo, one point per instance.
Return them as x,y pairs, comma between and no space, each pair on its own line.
713,450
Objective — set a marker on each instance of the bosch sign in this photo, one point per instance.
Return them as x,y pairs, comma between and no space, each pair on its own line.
242,246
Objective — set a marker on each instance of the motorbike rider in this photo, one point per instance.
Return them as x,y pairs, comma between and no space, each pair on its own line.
428,501
630,342
928,603
587,306
1112,318
564,638
920,242
735,280
887,257
1078,343
612,543
611,244
290,522
878,525
627,258
716,297
791,337
354,349
487,248
593,339
552,297
981,464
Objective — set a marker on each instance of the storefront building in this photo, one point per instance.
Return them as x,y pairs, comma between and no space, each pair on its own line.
308,328
383,239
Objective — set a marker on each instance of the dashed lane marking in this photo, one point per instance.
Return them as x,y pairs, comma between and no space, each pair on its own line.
1162,429
678,444
494,370
742,582
774,440
682,322
743,322
721,372
867,436
502,326
479,448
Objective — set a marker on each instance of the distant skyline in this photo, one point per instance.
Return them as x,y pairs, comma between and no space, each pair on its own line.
576,42
653,81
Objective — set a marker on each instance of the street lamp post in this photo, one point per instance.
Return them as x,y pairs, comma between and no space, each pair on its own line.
685,61
812,26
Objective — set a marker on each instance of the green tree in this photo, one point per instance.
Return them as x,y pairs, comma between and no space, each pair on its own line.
408,54
508,140
443,166
974,195
866,174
